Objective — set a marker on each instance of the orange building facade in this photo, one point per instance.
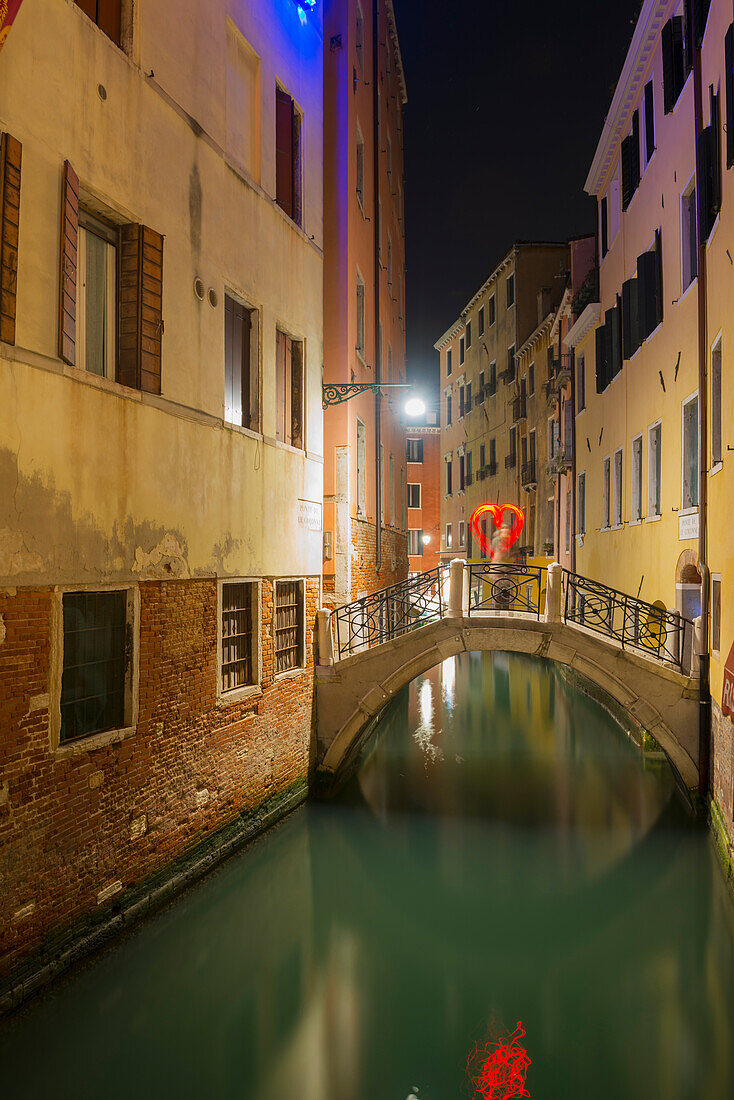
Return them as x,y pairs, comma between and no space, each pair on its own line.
365,520
423,453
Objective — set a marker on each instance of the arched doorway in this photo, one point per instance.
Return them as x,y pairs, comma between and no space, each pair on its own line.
688,594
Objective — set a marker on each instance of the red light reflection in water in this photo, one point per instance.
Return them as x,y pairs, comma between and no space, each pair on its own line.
498,1069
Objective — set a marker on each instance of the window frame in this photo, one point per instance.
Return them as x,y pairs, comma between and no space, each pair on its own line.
109,234
581,503
510,289
688,192
580,382
87,743
491,311
360,169
360,317
654,498
449,536
414,485
637,483
716,461
716,616
294,670
245,691
255,426
299,342
606,494
618,496
690,507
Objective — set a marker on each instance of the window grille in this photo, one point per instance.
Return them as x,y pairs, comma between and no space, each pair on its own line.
237,635
93,676
288,625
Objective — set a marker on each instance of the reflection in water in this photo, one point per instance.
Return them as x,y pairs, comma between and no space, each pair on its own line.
503,853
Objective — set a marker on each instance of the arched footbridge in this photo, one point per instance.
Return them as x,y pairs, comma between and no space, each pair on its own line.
637,653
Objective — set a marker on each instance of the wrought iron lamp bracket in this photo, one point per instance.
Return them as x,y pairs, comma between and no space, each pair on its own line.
333,393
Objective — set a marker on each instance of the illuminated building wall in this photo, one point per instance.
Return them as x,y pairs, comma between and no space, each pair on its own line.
361,344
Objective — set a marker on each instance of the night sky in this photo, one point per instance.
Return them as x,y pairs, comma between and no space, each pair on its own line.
506,102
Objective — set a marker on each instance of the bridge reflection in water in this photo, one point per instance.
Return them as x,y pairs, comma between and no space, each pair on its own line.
503,853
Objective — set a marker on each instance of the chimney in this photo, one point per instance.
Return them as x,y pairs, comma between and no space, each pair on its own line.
544,303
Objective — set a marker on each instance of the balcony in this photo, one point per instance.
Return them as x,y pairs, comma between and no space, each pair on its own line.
468,478
519,409
529,476
508,374
550,388
562,459
490,469
562,368
510,461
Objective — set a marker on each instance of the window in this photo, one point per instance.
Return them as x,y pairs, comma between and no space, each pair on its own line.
492,385
449,477
242,102
449,356
729,88
689,497
604,226
581,505
360,315
96,304
287,155
614,207
362,468
288,635
360,168
580,383
491,309
238,657
449,536
448,410
480,321
468,468
568,522
462,404
631,162
716,452
240,352
654,469
462,473
716,612
511,363
391,490
493,455
675,65
689,255
389,160
389,263
512,456
414,450
618,488
468,334
462,532
467,397
415,544
461,350
107,14
289,390
605,504
649,109
531,379
97,663
510,290
636,510
414,495
359,36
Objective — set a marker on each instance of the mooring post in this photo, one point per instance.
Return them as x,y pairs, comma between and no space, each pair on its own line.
553,593
456,589
324,639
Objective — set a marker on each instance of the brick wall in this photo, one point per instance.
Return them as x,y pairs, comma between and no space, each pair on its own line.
73,827
722,732
365,578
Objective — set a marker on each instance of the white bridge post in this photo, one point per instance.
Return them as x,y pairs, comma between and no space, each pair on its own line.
456,589
324,639
553,593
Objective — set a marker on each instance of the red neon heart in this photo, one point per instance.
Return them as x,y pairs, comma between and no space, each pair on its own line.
497,511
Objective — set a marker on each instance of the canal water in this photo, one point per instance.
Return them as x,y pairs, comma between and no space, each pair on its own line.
504,853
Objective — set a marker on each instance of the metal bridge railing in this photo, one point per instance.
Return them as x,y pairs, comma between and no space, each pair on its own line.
507,587
389,613
652,630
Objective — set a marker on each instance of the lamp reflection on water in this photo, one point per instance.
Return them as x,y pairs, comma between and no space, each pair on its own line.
448,682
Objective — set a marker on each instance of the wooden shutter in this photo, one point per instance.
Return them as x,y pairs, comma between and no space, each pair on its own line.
729,85
700,14
68,264
627,188
649,266
140,308
284,190
601,351
630,318
635,151
649,121
109,18
11,156
673,62
614,317
604,227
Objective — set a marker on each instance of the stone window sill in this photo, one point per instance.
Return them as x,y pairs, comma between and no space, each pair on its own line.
94,741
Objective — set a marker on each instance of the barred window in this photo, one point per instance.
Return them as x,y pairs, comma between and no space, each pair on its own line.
94,665
289,647
238,668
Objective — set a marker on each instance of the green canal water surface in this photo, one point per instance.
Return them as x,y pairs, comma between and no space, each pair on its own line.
504,853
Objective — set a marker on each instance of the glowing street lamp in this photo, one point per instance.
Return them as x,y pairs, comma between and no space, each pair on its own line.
414,406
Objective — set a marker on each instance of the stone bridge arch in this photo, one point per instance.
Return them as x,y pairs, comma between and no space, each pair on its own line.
351,693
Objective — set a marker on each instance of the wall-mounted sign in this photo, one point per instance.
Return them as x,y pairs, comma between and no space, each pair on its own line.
309,515
688,526
727,693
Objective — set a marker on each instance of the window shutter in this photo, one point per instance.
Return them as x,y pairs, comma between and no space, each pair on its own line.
11,156
140,308
284,151
630,318
649,267
673,62
615,340
715,159
68,264
701,14
729,85
109,18
601,352
604,227
635,153
627,188
649,121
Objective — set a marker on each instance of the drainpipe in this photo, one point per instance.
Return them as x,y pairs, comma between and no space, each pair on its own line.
704,705
377,232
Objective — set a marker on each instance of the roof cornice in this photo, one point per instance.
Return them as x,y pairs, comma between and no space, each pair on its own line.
586,322
616,124
392,24
449,334
534,337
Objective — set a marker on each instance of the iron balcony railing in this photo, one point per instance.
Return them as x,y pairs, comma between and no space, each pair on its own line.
550,387
510,588
390,612
634,623
510,461
529,476
562,367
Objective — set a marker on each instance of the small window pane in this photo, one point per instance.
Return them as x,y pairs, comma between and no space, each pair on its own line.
93,675
237,635
288,625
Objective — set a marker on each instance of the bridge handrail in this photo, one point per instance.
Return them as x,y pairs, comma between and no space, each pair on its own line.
389,612
629,620
509,587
